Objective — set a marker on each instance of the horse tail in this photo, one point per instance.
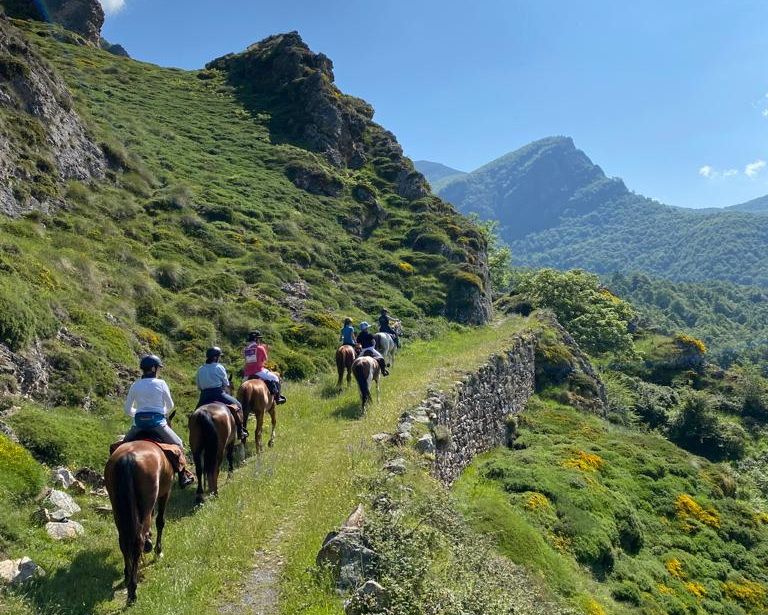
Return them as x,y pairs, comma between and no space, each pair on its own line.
340,360
126,511
362,381
205,456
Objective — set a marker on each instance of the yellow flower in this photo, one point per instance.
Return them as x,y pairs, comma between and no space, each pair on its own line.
687,508
675,568
697,589
405,267
748,592
536,501
665,589
586,462
592,607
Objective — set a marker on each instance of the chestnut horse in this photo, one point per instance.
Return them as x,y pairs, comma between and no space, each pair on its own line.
138,478
345,356
366,371
212,432
256,399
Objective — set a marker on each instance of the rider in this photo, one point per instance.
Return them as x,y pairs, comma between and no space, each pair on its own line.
347,337
366,340
385,325
256,356
148,403
212,380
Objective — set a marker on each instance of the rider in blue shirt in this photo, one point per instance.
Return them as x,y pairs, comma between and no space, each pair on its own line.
348,333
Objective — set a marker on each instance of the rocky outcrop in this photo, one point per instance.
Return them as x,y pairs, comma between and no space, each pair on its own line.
346,553
19,571
84,17
46,142
113,48
25,372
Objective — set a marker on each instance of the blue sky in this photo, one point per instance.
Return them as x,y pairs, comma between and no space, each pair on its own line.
670,96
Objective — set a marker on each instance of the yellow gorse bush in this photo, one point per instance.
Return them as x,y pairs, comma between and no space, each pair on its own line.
586,462
675,568
665,589
537,501
697,589
747,592
688,341
687,508
405,267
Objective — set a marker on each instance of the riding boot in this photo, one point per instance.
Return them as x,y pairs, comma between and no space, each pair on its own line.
383,365
242,434
279,397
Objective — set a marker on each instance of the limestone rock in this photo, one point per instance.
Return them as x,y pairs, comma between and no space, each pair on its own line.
426,444
84,17
114,49
381,438
356,519
64,530
396,466
59,501
90,477
64,477
30,88
18,571
348,556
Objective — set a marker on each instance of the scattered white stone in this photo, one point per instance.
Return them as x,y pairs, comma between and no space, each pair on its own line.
426,444
58,500
65,530
62,476
18,571
381,438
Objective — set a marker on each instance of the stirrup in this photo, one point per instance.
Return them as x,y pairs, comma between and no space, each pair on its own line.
280,399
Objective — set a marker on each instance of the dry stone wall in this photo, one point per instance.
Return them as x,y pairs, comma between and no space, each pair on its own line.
474,417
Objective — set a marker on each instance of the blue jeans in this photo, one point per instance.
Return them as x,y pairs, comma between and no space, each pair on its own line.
210,396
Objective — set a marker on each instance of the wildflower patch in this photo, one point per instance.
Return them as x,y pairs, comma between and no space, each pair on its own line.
687,509
586,462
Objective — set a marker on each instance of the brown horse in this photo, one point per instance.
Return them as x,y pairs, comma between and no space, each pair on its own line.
366,371
138,477
345,356
212,432
256,399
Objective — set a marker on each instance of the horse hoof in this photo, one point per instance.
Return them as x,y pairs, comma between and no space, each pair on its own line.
199,500
159,555
147,546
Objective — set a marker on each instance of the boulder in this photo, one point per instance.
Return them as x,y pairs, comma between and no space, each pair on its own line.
426,444
62,476
90,477
84,17
18,571
348,556
41,516
60,502
371,597
356,519
396,466
64,530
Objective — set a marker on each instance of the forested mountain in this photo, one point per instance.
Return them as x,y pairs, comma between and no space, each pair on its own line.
437,174
558,209
758,205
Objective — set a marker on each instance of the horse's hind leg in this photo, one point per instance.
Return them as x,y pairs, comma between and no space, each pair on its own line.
378,390
349,376
273,416
199,495
259,430
160,522
231,456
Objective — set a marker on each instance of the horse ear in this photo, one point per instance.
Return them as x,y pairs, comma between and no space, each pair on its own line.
171,415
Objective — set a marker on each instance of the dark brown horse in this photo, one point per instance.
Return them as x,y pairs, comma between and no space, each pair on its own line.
212,433
138,477
366,371
345,356
256,399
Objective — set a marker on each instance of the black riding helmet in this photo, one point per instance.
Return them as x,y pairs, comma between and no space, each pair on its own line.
212,353
255,335
149,361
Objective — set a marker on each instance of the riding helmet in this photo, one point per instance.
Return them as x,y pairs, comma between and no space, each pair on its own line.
213,352
364,325
255,335
149,361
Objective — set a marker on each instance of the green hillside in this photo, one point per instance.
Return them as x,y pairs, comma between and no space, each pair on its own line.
557,209
208,222
758,205
437,174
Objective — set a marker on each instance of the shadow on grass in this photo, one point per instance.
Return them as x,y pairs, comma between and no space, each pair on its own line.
350,410
88,580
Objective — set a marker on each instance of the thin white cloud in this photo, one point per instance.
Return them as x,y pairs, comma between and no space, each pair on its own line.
730,172
765,112
707,171
112,6
753,168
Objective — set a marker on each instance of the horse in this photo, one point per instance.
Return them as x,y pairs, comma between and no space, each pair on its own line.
345,356
256,399
385,344
138,478
367,370
212,433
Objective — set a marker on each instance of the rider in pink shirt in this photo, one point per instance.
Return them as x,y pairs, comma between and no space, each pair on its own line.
256,357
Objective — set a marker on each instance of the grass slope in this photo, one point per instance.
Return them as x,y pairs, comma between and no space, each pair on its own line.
620,521
300,489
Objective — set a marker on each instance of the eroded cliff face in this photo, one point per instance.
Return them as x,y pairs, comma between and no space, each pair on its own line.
43,142
84,17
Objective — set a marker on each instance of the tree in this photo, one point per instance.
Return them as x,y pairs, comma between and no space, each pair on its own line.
597,319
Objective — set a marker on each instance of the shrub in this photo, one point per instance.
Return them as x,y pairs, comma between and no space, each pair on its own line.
22,477
697,428
23,315
296,366
173,276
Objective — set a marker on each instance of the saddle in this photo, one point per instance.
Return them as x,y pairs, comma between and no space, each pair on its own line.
173,453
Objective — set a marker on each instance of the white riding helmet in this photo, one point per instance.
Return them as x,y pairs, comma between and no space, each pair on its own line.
364,325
